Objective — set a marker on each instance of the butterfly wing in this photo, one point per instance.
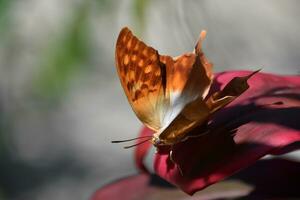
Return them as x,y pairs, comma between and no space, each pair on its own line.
159,87
193,72
143,78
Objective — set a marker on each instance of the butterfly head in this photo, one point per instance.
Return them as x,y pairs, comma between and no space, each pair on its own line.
156,141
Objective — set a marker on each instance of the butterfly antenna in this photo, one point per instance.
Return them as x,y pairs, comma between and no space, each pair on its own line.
128,140
127,147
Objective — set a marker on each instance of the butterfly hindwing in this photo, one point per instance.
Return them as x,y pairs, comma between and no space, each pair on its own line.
191,80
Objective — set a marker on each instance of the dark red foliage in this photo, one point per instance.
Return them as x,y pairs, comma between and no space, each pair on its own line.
263,120
266,179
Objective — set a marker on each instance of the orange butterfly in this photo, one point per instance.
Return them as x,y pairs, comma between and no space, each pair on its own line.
169,95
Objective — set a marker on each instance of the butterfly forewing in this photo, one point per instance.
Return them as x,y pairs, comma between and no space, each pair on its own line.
143,78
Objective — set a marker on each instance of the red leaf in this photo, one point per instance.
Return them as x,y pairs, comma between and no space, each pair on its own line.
127,188
256,182
263,120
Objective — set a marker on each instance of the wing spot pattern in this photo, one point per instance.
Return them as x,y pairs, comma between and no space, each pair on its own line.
134,58
157,73
144,87
129,44
145,52
129,85
154,82
136,47
125,38
153,57
138,94
146,77
132,76
126,59
139,72
148,69
141,63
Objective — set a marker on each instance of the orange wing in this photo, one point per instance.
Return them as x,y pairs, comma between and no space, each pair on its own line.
143,78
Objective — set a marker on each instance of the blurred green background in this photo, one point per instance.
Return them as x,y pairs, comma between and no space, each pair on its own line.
61,102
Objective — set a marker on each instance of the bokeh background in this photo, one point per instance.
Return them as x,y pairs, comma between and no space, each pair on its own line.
61,102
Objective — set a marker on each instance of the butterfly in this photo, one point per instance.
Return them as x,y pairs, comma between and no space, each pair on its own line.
170,94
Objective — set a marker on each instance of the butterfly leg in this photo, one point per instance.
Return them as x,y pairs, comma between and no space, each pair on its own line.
174,162
201,134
